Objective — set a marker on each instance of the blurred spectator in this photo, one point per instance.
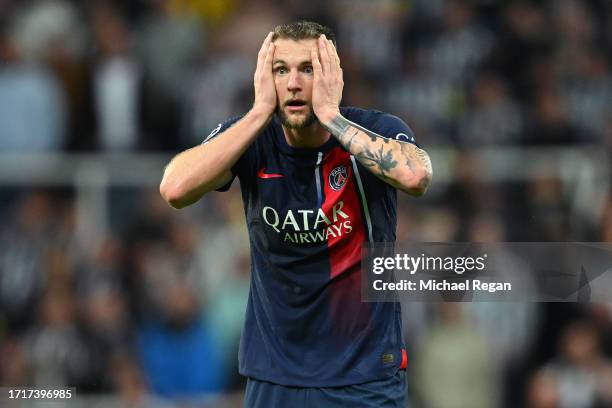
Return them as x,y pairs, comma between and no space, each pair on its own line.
14,369
588,92
493,118
225,230
24,245
453,358
368,32
105,321
44,27
429,104
216,93
116,80
547,210
581,375
170,44
52,32
606,224
225,310
55,351
461,45
550,123
32,103
131,386
178,351
525,36
575,25
542,393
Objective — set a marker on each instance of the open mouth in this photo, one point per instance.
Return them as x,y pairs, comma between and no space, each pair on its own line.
296,103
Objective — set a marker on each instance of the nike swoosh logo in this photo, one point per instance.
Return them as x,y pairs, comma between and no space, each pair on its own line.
262,174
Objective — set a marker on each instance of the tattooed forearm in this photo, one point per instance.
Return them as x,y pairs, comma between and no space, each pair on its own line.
350,138
414,155
340,125
383,160
401,164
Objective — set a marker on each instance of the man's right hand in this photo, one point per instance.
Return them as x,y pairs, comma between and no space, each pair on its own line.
265,91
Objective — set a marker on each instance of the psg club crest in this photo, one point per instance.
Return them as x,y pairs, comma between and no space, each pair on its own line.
338,178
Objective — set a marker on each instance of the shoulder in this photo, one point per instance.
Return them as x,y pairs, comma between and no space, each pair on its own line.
385,124
369,117
221,127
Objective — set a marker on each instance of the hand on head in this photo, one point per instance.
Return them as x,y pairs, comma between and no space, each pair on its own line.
328,82
263,80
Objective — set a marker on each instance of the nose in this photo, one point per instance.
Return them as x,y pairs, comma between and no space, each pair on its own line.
293,84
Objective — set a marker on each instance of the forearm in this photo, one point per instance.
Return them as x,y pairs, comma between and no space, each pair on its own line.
206,167
400,164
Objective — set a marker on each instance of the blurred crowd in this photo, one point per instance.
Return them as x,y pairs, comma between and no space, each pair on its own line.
153,313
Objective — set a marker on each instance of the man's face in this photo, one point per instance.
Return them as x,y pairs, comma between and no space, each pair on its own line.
293,76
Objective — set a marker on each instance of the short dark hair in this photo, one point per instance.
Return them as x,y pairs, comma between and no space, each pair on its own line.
301,30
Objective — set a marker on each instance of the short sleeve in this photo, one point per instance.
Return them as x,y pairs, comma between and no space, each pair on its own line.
220,128
392,127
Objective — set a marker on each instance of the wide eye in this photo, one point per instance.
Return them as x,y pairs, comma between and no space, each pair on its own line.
281,70
308,69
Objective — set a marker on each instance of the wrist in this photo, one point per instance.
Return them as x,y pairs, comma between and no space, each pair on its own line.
261,113
327,116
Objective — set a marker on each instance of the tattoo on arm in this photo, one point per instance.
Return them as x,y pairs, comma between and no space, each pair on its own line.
338,126
379,155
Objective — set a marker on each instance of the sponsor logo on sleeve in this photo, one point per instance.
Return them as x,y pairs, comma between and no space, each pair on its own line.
214,132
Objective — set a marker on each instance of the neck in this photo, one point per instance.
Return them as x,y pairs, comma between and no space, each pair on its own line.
312,136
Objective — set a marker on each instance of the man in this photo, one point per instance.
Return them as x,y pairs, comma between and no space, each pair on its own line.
318,182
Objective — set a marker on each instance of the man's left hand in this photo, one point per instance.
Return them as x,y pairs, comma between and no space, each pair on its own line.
327,84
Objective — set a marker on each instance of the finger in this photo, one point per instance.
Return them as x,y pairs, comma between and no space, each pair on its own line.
330,55
261,55
267,66
324,55
333,57
334,54
316,64
328,50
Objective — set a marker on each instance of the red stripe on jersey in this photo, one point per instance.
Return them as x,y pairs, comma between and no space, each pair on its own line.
344,247
349,314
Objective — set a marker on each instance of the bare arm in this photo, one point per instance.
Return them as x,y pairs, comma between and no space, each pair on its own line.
400,164
206,167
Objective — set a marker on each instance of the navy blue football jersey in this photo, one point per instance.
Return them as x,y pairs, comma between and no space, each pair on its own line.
308,213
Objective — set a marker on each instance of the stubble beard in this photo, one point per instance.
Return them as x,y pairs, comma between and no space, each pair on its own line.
287,122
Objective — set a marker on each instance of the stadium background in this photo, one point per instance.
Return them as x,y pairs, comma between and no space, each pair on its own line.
104,287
